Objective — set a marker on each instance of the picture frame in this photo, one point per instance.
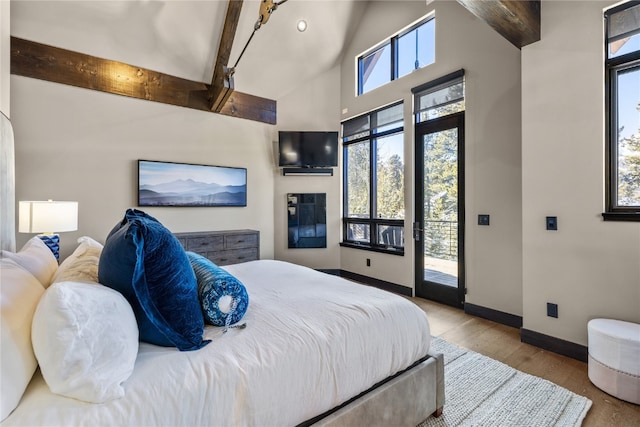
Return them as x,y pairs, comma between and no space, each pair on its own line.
191,185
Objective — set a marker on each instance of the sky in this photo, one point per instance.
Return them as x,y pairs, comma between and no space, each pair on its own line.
381,62
628,101
628,87
152,173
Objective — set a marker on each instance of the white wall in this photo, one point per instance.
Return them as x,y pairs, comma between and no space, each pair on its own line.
589,267
78,144
313,107
493,133
85,143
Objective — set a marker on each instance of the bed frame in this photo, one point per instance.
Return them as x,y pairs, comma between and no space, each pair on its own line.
405,399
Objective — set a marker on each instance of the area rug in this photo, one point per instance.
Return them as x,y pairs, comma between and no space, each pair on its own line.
480,391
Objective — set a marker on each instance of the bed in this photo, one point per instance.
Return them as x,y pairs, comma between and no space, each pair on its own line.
316,350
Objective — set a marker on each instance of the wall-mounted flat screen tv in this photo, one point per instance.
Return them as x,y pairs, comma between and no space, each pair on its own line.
308,149
185,184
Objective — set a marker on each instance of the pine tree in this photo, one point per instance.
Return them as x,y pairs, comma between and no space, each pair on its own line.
358,180
390,200
441,195
629,171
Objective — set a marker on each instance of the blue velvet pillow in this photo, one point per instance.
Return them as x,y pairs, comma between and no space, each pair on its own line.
223,297
146,263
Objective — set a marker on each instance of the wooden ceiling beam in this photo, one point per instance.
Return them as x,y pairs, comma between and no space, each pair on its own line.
39,61
222,81
517,21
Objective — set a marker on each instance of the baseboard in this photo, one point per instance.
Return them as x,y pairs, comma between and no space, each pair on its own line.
546,342
493,315
556,345
382,284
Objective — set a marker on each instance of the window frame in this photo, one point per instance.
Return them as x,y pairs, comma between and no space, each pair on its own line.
393,63
372,221
613,67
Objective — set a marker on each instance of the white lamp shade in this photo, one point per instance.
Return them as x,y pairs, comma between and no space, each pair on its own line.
47,216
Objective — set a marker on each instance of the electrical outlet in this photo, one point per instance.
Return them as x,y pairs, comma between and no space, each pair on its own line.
368,262
552,310
552,223
483,219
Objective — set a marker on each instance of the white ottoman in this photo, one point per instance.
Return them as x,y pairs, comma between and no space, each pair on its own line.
614,358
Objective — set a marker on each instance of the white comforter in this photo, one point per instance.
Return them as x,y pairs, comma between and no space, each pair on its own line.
312,341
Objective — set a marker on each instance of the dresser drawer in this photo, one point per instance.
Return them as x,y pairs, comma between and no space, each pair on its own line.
237,241
205,244
223,247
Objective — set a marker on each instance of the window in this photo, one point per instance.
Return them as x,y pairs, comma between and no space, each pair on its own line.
440,98
373,146
373,69
403,53
622,66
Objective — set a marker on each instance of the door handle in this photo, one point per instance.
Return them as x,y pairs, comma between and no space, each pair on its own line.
416,231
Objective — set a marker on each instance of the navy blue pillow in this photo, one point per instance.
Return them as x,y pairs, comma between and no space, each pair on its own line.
223,297
146,263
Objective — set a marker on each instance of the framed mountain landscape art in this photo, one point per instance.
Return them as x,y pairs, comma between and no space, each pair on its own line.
184,184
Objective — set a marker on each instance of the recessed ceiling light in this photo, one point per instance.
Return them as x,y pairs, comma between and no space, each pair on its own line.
302,25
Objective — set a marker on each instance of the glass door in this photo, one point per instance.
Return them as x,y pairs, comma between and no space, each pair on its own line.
439,227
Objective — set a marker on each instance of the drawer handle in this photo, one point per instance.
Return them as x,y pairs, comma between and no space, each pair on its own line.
223,259
240,241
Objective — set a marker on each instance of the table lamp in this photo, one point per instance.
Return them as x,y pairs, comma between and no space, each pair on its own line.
48,217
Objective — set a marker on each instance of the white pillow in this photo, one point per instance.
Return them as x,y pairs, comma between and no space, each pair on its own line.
82,264
35,257
20,292
85,338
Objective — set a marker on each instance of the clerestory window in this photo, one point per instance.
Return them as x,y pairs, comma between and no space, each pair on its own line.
403,53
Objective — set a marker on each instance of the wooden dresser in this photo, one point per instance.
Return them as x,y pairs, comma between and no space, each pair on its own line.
223,247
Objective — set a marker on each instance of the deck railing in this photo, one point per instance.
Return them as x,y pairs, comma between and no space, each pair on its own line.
441,239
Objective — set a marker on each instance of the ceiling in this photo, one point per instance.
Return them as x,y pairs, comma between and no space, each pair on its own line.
293,56
181,37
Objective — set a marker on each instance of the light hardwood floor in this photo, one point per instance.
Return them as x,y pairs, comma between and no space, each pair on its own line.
502,343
